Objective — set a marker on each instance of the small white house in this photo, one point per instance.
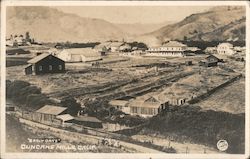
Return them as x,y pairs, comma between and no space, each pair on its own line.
115,46
79,55
225,49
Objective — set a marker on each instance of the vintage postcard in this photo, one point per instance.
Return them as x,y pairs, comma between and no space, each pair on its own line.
125,79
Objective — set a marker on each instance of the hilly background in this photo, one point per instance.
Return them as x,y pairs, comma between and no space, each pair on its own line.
50,25
217,24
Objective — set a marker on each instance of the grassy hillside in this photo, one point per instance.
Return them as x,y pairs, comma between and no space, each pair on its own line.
220,23
189,123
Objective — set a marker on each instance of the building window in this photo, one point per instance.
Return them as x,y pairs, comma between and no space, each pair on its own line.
40,68
50,67
60,67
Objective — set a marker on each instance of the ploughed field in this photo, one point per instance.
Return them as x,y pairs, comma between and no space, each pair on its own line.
117,76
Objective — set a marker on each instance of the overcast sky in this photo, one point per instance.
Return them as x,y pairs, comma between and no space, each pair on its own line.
135,14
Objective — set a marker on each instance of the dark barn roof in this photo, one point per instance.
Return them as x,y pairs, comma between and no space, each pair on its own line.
38,58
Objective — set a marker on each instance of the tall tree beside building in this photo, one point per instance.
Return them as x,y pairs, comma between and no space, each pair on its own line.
72,105
27,37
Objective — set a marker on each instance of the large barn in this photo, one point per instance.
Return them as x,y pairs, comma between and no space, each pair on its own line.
45,63
79,55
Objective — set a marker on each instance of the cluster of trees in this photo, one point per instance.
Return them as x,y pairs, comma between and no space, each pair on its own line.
204,44
139,45
30,98
26,38
76,45
205,127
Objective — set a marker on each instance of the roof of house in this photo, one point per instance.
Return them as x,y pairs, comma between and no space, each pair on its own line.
174,44
212,56
87,119
50,109
118,102
125,46
65,117
141,103
29,65
87,52
38,58
228,44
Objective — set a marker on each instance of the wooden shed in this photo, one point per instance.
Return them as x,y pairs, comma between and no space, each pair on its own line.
48,114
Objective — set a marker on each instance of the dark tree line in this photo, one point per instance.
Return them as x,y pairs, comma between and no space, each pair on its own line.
76,45
204,44
31,98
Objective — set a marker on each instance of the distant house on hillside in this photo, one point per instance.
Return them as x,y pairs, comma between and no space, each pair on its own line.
225,49
211,50
45,63
172,48
112,46
125,48
210,61
79,55
102,50
115,46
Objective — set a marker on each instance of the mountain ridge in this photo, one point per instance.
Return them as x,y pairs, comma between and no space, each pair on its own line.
203,26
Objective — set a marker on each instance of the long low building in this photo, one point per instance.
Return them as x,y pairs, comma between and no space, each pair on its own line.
171,48
79,55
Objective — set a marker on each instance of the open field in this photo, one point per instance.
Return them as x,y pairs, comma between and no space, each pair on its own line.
229,99
117,74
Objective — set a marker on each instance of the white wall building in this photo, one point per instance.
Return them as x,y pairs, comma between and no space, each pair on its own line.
225,49
79,55
172,48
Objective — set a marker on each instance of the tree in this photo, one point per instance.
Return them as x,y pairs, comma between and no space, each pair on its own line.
36,101
27,37
185,38
13,88
72,105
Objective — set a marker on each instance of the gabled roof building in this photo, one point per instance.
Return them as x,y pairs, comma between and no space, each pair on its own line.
45,63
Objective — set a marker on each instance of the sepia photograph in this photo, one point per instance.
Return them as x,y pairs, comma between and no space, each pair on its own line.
153,79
